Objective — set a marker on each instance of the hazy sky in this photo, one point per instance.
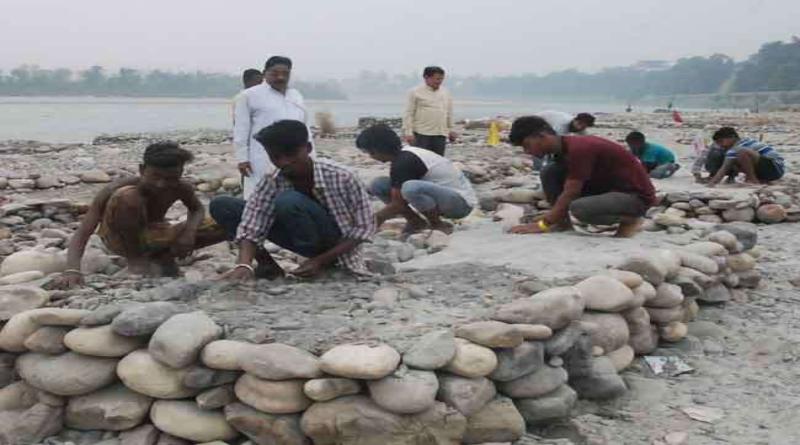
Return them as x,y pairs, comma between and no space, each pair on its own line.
336,38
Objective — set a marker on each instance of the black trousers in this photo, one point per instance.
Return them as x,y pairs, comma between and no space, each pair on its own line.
602,209
436,144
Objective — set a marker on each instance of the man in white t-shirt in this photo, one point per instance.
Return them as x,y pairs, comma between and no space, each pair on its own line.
419,181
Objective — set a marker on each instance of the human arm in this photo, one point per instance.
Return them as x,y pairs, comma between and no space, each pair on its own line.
560,211
184,243
451,134
396,206
408,118
726,167
241,134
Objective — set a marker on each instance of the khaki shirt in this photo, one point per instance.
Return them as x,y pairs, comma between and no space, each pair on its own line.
429,112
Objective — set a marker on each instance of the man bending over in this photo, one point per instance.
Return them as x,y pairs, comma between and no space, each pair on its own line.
593,180
759,162
659,161
130,216
418,178
313,207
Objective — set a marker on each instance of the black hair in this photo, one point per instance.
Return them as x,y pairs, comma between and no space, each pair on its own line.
635,136
166,154
284,137
379,138
526,126
278,60
586,118
725,132
431,70
249,74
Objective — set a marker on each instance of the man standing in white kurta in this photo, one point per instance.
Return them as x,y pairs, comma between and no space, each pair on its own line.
257,108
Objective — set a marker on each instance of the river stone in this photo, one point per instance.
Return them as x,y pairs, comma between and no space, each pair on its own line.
431,351
749,279
56,316
726,239
745,214
498,421
667,295
648,267
47,340
103,315
673,332
32,260
467,395
771,213
32,425
608,331
689,288
16,299
360,361
225,354
554,405
143,374
277,361
717,293
606,294
322,390
534,331
357,420
200,377
178,341
114,408
492,334
665,315
741,262
284,397
94,176
513,363
7,373
169,439
472,360
216,398
186,420
644,341
622,357
700,278
407,391
265,429
143,319
537,384
745,232
101,341
563,339
16,331
145,434
628,278
644,293
698,262
68,374
20,278
601,383
18,396
554,308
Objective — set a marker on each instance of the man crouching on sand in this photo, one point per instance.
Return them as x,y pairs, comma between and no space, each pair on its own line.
130,215
313,207
594,181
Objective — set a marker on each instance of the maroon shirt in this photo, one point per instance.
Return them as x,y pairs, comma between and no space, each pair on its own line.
605,166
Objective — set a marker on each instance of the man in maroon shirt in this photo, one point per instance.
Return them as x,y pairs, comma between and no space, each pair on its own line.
592,180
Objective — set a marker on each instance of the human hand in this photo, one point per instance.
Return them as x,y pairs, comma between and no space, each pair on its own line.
66,280
310,268
245,168
410,140
183,244
238,273
523,229
453,136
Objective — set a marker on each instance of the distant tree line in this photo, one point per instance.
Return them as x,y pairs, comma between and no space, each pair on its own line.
30,80
775,67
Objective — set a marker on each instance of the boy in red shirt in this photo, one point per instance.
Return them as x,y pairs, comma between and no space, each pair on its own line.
592,180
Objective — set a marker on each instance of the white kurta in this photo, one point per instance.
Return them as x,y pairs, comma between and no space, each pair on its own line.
258,107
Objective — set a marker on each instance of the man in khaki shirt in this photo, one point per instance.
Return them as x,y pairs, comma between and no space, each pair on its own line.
428,121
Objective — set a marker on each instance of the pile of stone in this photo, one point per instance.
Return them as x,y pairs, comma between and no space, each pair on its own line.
212,186
770,205
207,136
30,182
368,121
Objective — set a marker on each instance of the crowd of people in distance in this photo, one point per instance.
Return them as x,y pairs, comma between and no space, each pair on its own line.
321,210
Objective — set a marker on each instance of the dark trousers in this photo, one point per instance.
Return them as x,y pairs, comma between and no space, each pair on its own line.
436,144
604,209
301,224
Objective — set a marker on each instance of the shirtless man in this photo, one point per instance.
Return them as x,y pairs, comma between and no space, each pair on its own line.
130,216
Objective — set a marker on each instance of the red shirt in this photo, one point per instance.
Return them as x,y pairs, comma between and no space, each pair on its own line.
604,166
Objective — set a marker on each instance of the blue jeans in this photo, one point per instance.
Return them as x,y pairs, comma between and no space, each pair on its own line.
301,224
424,196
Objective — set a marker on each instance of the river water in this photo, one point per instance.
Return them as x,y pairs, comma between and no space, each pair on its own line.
80,119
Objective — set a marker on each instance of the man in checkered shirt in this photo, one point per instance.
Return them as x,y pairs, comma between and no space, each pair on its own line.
313,207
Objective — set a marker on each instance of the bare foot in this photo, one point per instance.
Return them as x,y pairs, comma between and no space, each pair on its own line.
629,229
445,227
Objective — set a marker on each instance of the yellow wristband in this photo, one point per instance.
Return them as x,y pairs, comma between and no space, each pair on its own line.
543,226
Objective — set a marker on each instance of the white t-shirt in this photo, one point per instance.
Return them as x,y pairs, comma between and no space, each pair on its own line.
441,171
